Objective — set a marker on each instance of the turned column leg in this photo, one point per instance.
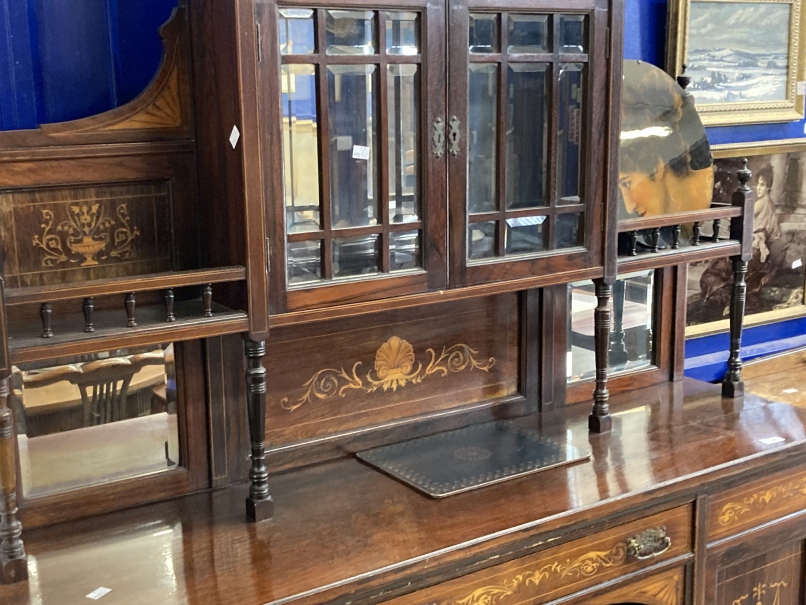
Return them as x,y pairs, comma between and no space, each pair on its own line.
617,352
600,421
13,560
259,504
732,384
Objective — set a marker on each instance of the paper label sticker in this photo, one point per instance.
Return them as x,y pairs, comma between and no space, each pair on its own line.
771,440
797,263
234,137
802,87
360,152
790,391
98,593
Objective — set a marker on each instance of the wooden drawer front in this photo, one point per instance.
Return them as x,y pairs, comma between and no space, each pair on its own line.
750,505
564,569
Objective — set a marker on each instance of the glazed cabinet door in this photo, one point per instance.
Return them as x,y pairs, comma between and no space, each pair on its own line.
352,105
527,137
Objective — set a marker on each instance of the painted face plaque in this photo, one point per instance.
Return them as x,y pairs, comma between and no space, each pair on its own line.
665,164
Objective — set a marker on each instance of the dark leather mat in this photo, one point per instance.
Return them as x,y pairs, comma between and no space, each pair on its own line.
468,458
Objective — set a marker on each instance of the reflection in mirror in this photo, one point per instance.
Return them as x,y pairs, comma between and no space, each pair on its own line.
95,418
300,149
296,31
568,231
304,262
631,331
572,112
665,164
572,34
528,34
353,144
356,255
404,250
483,33
525,234
349,32
403,108
482,102
481,240
402,34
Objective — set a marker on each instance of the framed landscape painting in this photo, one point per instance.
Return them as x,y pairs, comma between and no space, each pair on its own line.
776,273
743,58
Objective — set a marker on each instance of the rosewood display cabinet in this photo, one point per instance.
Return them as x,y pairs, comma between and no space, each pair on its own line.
410,211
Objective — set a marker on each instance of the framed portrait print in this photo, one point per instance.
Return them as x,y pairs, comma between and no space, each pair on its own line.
776,273
744,58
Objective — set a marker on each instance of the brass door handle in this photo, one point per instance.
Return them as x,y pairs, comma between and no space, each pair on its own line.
438,138
454,135
649,544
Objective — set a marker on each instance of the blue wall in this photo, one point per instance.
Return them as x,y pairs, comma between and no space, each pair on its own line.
67,59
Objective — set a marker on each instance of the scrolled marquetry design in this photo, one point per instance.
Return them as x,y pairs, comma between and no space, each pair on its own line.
13,560
395,366
588,565
259,504
734,512
763,594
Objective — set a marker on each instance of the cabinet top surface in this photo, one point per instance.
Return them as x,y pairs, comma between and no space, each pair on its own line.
342,531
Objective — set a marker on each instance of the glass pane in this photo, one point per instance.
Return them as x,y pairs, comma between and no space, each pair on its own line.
527,140
528,34
356,255
300,148
90,419
631,330
402,34
569,152
567,231
483,33
481,240
403,92
572,34
482,119
304,262
353,145
525,234
349,32
296,31
404,250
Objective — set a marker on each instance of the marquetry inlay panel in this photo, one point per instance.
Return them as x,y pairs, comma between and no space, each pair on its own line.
757,502
67,234
346,375
667,588
773,578
566,569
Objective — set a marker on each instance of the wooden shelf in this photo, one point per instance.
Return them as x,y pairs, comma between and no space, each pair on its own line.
680,218
122,285
666,258
26,343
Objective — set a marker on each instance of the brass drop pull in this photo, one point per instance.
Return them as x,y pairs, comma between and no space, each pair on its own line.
453,135
649,544
438,138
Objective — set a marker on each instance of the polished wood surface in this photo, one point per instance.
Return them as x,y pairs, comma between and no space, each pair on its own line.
343,532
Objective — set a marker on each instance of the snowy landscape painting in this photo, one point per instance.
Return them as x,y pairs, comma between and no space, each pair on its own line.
738,52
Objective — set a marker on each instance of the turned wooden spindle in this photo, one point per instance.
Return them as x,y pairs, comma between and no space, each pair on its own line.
88,307
13,560
600,420
46,315
207,300
717,227
655,239
131,302
633,243
676,237
695,234
741,229
169,305
259,504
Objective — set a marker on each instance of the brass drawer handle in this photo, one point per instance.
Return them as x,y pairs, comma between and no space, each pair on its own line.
649,544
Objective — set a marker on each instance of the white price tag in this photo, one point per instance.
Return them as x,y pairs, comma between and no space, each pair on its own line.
98,593
234,137
771,440
797,263
360,152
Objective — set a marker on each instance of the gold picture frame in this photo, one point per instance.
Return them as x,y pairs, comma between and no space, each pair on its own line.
785,163
737,73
